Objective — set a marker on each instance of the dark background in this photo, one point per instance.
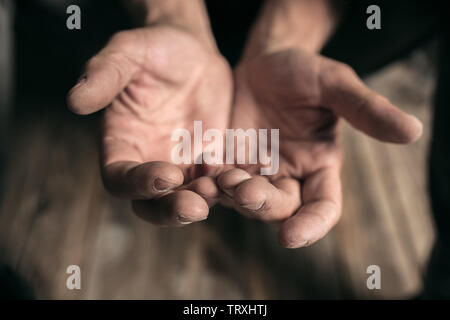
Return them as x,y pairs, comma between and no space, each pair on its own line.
48,59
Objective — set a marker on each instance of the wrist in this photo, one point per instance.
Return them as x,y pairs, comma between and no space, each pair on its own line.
286,24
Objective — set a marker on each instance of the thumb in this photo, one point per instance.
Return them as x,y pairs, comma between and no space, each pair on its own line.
347,96
106,74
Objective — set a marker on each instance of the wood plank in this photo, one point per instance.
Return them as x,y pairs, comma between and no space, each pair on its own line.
55,213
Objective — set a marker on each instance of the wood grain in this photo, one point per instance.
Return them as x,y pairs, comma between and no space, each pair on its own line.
55,213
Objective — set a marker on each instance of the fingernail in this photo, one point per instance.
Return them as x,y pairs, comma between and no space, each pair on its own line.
160,185
80,82
301,244
229,192
185,220
295,245
245,176
419,126
253,207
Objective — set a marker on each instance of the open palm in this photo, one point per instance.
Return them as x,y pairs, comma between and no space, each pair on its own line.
155,80
303,95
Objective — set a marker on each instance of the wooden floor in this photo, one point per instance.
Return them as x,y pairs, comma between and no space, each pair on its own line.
55,213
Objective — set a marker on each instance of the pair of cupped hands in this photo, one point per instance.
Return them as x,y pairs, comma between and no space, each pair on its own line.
154,80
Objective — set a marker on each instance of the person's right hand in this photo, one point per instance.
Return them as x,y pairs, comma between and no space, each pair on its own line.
155,80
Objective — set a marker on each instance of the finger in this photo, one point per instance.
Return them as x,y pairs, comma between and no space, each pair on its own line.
175,209
258,198
319,212
126,175
227,182
347,96
209,170
135,180
230,179
207,188
105,75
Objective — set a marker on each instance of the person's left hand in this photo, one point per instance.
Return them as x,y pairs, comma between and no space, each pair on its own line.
303,95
